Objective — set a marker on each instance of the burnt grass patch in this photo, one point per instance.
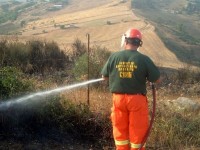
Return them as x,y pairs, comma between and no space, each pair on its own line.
47,125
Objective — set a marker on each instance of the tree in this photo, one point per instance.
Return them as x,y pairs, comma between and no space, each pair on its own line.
5,7
3,50
11,82
23,23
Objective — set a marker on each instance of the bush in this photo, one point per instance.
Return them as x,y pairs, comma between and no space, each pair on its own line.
46,57
62,26
78,49
186,75
80,68
12,82
3,49
98,57
84,125
17,55
33,56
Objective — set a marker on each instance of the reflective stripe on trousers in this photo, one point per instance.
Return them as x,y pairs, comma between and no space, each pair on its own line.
136,146
126,142
122,144
130,120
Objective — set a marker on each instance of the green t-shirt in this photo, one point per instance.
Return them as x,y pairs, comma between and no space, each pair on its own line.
128,71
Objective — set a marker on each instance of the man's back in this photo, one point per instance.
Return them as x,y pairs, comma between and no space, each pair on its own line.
128,71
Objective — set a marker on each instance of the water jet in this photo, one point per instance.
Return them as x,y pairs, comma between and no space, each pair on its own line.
9,103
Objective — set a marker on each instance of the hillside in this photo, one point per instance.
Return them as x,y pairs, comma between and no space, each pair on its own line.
177,24
104,20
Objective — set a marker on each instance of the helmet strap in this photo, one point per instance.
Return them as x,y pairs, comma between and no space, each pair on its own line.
134,41
123,40
141,42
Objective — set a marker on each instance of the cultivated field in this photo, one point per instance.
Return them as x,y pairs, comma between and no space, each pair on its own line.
105,21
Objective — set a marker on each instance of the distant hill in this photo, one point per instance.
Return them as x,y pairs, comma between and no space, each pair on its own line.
177,22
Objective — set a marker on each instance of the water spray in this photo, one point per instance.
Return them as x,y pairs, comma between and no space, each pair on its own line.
7,104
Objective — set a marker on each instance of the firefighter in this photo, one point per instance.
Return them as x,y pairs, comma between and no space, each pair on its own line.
128,71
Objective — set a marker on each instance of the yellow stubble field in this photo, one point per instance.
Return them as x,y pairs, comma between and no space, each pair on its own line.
105,24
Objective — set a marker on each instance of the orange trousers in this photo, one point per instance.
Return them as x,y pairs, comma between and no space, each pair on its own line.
130,120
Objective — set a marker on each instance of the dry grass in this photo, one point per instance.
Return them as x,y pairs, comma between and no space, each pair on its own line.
94,20
100,101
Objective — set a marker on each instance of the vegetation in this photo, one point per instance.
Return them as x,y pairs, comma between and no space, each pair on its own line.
10,12
32,56
4,17
193,7
144,4
12,82
178,31
170,127
13,14
59,117
189,7
97,58
60,1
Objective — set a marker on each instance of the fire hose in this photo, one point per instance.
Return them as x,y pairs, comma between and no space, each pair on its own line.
152,116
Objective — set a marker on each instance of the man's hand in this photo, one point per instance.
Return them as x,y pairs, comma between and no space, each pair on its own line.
105,78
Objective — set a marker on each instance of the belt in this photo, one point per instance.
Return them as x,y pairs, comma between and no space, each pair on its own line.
143,94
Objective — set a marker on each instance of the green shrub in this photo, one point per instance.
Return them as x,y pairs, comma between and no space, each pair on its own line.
3,50
98,57
12,82
80,68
